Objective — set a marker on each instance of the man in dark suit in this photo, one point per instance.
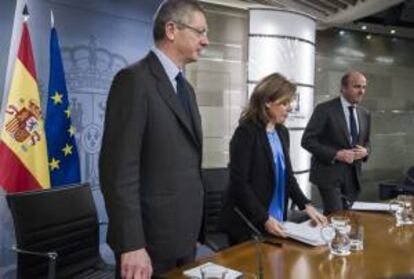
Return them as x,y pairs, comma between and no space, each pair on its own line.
150,161
338,137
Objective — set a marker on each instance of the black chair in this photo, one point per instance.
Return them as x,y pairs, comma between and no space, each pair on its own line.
57,234
215,182
391,189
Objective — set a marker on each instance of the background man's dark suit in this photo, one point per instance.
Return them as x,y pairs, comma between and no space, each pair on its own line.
150,164
325,134
252,179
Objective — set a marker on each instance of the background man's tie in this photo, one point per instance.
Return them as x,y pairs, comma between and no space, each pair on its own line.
354,131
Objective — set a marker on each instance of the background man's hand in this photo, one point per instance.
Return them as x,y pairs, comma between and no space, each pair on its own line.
360,152
345,155
136,265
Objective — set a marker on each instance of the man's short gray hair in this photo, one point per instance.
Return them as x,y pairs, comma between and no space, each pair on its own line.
177,11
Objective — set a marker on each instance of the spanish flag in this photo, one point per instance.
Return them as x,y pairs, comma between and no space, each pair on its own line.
23,148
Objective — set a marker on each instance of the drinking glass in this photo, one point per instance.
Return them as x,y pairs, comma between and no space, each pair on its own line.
402,207
336,234
356,236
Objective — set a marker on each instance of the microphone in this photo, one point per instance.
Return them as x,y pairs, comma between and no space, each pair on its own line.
258,238
255,231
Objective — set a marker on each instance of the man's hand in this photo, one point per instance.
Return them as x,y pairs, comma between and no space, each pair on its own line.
272,226
136,265
345,155
360,152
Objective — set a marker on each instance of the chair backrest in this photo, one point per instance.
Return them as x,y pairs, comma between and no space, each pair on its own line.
215,181
63,220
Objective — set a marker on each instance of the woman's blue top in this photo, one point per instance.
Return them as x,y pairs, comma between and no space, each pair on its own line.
277,204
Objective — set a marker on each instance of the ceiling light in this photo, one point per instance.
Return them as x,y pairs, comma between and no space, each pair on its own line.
364,27
392,31
341,32
368,37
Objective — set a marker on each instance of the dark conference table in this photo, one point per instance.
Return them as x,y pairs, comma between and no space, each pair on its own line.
388,253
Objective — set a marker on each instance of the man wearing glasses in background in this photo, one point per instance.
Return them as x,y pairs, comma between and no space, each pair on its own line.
150,161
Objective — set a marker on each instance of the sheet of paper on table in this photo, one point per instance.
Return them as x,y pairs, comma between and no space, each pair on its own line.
305,232
371,206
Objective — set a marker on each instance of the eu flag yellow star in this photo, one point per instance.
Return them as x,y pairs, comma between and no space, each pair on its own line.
67,112
54,164
57,98
67,150
71,131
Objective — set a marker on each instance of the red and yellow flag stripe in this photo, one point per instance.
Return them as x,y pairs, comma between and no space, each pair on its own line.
23,148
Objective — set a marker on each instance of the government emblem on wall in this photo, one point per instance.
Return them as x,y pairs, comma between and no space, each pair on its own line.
89,73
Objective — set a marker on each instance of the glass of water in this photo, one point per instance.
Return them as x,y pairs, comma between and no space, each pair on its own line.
336,234
402,208
356,237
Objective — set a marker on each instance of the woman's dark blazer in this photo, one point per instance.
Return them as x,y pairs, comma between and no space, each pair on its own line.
252,179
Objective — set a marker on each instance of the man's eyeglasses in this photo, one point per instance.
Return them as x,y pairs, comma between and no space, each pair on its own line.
199,32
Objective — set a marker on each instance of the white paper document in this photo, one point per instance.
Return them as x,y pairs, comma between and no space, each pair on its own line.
196,271
370,206
304,232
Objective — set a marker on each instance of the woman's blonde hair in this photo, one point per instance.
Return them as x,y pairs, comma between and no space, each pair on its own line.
274,87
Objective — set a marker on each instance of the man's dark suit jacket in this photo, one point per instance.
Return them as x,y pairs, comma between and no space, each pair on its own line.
252,179
325,134
150,164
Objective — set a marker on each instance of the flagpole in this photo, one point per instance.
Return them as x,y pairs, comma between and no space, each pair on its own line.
25,13
52,19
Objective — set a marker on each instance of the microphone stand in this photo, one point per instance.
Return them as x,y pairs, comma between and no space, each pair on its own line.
258,239
259,264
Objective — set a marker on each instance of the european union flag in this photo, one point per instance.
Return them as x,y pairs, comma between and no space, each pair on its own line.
61,144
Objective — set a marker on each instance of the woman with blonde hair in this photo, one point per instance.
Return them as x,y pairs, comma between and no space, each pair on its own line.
261,176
